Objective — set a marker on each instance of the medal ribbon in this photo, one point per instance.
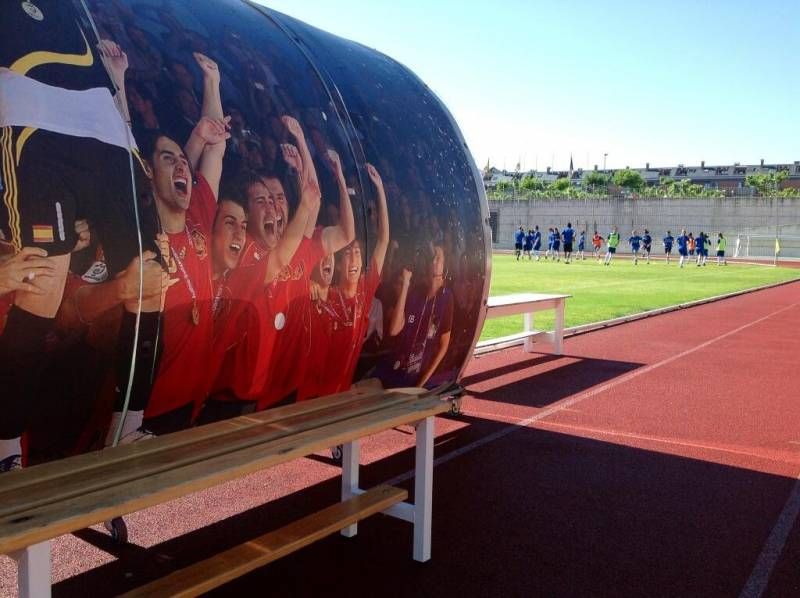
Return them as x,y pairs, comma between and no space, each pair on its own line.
186,278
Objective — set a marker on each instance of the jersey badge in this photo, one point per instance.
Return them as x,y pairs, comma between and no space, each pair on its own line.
43,233
33,11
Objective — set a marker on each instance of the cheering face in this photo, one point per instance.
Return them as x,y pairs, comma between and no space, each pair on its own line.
351,262
262,221
229,235
172,180
326,268
278,195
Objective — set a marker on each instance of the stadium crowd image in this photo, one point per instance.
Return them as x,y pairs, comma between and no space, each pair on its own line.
210,209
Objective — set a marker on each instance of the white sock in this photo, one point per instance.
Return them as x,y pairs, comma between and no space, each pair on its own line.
133,421
12,446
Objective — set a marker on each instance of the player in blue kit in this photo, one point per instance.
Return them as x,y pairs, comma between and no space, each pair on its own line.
537,242
549,251
668,241
701,248
519,239
635,241
683,247
647,244
582,245
556,244
526,248
568,235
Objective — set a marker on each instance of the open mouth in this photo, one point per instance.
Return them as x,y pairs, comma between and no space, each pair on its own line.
181,185
269,227
235,248
326,270
279,225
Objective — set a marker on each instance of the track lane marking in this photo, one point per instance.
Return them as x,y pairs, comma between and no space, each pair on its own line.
773,548
788,458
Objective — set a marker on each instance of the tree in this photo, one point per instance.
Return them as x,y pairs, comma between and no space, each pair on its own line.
629,179
596,181
561,185
531,183
766,184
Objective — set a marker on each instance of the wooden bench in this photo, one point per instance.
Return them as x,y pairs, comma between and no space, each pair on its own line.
48,500
526,304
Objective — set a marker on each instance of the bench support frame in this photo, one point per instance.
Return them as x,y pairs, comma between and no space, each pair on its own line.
420,513
527,305
34,571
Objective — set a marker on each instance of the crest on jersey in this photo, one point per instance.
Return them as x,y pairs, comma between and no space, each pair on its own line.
32,11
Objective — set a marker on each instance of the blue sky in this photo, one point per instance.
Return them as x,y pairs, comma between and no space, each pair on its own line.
659,82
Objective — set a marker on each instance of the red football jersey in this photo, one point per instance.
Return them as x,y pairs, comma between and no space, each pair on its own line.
187,337
291,309
339,328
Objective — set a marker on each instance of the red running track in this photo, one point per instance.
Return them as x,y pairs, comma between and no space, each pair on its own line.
656,458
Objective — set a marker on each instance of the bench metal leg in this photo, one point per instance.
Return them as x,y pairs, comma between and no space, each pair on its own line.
528,327
33,571
423,491
351,457
558,345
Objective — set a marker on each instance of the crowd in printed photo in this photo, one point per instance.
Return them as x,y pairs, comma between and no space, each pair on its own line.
205,231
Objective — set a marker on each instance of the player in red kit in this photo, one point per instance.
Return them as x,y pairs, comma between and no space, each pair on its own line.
340,314
242,297
291,291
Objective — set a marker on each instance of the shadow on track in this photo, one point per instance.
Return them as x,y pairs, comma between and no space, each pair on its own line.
534,513
534,386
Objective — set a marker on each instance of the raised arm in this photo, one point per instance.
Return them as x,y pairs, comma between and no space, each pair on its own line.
116,62
398,319
206,148
291,155
293,234
212,101
382,243
342,234
308,172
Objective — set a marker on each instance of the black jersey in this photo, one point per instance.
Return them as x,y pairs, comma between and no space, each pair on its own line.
51,41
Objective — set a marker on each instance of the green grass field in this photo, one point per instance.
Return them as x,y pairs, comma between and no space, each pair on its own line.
604,292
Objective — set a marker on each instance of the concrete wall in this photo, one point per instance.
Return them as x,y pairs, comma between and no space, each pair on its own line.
731,216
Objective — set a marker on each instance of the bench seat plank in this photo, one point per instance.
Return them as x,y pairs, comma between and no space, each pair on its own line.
219,569
25,489
27,526
509,305
52,471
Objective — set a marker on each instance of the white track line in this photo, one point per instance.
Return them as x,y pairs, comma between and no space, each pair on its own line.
773,548
670,441
561,405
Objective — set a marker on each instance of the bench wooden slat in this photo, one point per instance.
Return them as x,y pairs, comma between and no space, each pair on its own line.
36,524
215,571
160,454
51,471
509,338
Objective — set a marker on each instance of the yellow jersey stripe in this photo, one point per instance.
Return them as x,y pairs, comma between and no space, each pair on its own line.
34,59
23,137
10,194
